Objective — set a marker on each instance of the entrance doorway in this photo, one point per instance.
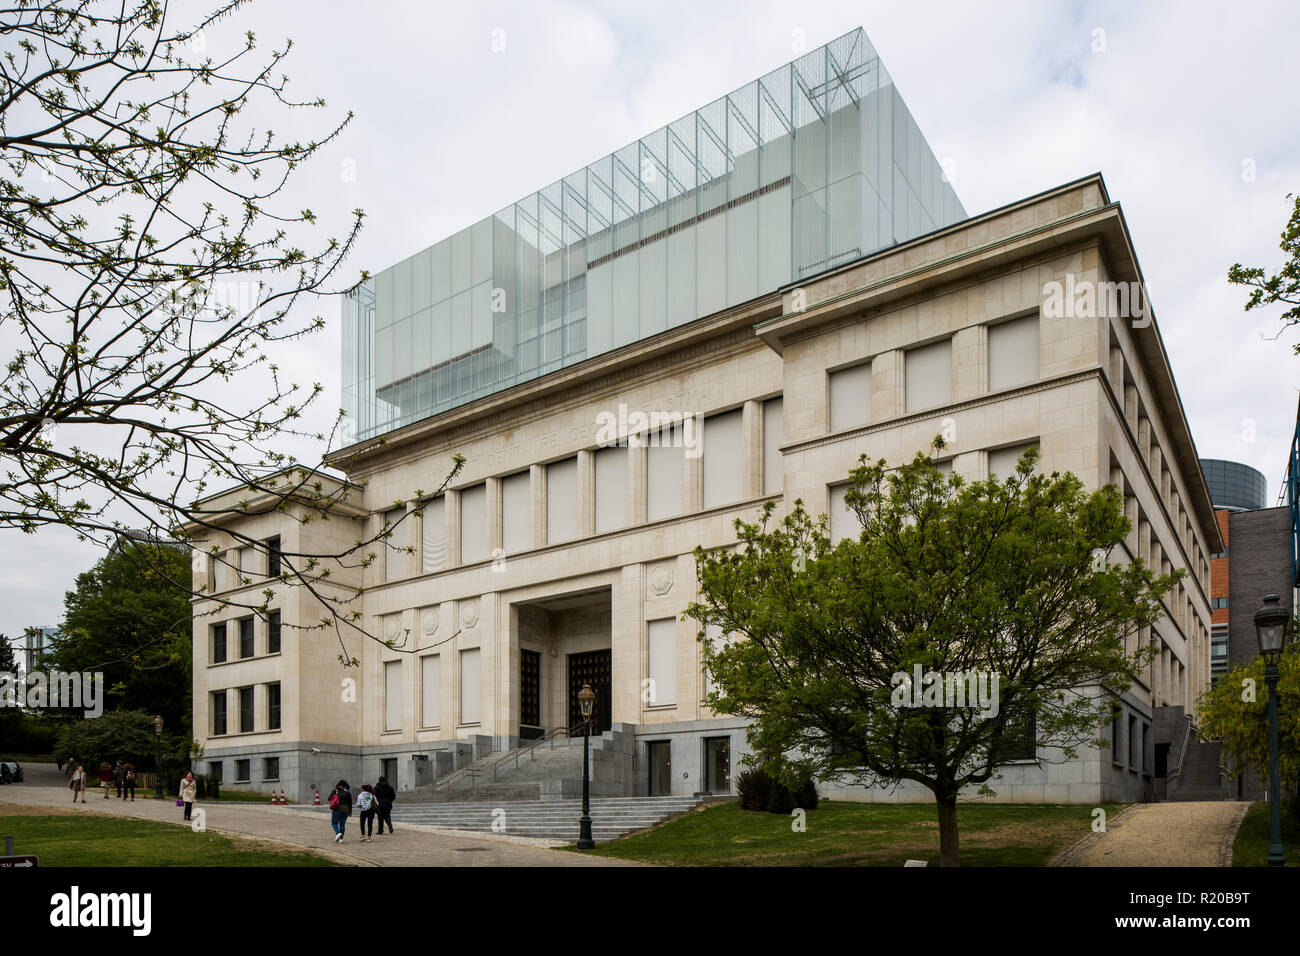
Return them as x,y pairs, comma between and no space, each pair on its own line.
717,764
661,767
530,695
592,667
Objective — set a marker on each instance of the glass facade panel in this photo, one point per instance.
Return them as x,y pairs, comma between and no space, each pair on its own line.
811,166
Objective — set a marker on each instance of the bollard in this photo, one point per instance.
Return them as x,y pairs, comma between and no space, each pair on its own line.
9,845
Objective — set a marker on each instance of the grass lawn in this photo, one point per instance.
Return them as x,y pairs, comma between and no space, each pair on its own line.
65,839
1251,846
840,833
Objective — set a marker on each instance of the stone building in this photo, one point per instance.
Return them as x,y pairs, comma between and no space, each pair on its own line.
763,291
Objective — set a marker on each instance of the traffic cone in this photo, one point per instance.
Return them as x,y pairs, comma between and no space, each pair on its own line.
316,802
283,802
272,796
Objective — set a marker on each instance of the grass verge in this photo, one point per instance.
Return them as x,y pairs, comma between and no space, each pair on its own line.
1251,846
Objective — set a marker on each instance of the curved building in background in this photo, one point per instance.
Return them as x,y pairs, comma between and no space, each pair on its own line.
1234,486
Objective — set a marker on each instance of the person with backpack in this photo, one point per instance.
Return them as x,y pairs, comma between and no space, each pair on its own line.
128,781
384,797
369,807
340,809
119,776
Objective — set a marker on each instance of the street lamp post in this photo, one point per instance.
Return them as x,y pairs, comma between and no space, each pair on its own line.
586,704
1270,630
157,733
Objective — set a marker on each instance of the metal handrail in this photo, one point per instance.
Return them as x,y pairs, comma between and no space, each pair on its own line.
473,773
1182,754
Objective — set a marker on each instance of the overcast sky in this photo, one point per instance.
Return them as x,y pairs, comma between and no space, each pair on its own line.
1188,110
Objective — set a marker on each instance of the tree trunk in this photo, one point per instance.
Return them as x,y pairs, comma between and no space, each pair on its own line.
947,829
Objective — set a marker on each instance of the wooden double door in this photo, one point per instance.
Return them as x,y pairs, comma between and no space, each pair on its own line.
594,668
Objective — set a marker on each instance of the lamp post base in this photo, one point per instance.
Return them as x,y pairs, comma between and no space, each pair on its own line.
585,842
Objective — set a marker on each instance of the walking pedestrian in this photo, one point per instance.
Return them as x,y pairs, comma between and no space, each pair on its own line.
340,809
188,788
105,777
384,797
119,776
78,783
128,781
368,807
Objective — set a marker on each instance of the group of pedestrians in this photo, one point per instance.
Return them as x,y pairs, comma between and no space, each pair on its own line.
120,778
371,803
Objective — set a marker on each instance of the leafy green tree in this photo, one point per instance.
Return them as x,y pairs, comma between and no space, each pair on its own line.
1282,286
1235,711
1000,578
128,618
120,735
9,716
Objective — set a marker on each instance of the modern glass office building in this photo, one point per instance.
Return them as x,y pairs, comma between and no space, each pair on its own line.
814,165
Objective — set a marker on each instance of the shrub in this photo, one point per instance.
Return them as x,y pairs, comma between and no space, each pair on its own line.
758,790
754,788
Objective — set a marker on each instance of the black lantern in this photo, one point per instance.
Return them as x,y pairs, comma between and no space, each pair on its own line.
1270,630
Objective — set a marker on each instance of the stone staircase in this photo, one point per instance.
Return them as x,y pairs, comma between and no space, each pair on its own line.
611,817
546,770
1199,779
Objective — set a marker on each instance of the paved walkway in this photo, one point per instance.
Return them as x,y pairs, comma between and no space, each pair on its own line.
409,845
1163,834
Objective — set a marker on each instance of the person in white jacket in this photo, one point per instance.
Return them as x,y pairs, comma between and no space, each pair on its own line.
189,786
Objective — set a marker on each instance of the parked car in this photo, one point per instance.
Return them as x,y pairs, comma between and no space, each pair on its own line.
11,771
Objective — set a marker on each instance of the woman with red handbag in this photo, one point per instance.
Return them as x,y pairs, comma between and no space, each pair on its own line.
186,796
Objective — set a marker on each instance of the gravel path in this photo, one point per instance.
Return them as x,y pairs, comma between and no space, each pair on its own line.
409,845
1162,834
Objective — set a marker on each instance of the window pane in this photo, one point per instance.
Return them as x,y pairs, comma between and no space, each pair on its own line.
273,706
395,562
393,695
724,454
433,544
430,678
928,373
665,474
516,513
469,686
562,500
844,522
1013,353
218,643
611,489
663,662
1002,461
850,392
246,637
273,633
473,524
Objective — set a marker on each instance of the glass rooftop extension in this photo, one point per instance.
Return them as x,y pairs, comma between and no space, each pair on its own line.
815,164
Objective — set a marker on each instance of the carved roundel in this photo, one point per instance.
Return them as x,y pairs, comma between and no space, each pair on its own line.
392,626
661,579
469,613
429,621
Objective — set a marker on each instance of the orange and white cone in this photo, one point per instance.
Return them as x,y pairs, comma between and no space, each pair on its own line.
316,802
283,802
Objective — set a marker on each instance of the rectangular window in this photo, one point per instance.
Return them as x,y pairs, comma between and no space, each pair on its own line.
724,456
242,770
665,474
1133,743
1013,353
246,645
662,645
393,695
1003,461
927,373
273,633
394,552
473,525
218,643
273,557
246,725
773,439
562,500
850,397
1218,603
470,686
844,522
247,564
1021,738
219,713
717,764
273,706
516,513
430,690
215,768
611,489
1117,737
1146,741
270,768
221,572
433,535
